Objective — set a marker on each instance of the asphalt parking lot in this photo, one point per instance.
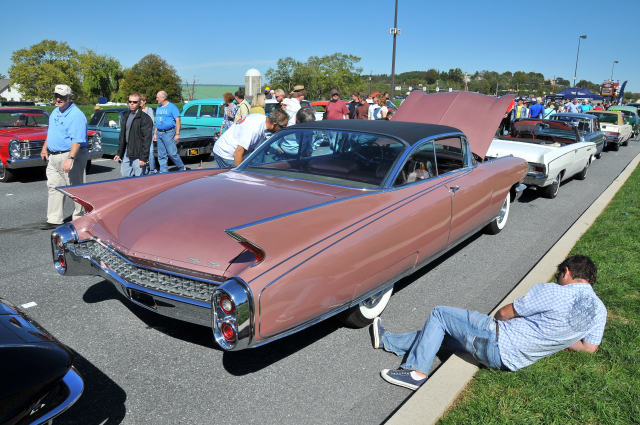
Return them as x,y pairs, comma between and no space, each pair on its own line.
141,368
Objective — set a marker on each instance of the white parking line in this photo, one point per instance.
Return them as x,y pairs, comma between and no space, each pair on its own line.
29,305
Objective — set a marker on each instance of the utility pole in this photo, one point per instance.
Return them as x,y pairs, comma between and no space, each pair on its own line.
576,71
394,31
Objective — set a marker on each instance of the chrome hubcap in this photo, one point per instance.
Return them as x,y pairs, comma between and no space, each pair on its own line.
374,300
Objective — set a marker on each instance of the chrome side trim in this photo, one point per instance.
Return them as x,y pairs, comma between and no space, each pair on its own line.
74,386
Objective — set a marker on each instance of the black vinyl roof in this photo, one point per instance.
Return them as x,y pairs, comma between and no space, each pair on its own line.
410,132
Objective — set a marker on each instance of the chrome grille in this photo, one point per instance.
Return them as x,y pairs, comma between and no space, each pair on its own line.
153,279
31,149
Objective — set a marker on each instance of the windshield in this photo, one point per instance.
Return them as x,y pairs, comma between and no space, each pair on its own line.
606,118
24,118
557,131
346,158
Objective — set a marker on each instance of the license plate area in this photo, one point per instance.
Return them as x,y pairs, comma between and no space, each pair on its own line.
193,152
142,299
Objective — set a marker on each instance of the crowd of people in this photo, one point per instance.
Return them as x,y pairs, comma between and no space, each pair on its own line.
524,108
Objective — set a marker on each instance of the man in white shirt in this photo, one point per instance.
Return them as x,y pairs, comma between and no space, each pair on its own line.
245,136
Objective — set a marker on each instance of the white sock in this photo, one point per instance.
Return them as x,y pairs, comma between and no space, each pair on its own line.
415,376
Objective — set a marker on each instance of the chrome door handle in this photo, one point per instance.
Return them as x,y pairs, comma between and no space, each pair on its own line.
454,189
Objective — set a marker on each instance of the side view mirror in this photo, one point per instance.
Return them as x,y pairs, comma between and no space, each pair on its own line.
114,125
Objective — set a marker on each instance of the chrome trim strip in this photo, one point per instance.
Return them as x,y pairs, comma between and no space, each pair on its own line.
75,385
390,209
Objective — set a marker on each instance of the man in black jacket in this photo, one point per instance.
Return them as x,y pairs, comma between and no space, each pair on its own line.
135,139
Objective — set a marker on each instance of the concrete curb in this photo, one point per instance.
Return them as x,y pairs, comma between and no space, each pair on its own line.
430,402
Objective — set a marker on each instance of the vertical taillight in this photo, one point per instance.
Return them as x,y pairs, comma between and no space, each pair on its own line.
257,252
60,261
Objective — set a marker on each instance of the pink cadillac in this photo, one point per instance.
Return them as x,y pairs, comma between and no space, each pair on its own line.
286,240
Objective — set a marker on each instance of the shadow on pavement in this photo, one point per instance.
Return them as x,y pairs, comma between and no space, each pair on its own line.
102,401
237,363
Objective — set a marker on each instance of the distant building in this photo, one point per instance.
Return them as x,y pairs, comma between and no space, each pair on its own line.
10,92
252,83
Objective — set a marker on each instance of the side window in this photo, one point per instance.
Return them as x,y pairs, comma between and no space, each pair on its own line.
221,111
191,111
420,165
111,119
450,155
207,111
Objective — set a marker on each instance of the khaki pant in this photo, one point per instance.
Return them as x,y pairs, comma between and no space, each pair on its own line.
56,178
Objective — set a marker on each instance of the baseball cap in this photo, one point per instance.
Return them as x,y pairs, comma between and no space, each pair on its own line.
334,91
62,90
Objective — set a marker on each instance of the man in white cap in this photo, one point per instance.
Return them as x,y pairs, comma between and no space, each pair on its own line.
66,150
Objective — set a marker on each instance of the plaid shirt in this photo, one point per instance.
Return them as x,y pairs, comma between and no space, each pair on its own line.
554,317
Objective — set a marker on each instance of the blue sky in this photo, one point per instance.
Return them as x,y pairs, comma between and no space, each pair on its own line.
218,41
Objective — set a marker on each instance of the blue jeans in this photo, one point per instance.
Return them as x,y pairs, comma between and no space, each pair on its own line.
152,158
460,329
131,167
223,163
167,148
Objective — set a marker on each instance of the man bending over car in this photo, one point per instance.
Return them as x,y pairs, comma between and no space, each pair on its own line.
549,318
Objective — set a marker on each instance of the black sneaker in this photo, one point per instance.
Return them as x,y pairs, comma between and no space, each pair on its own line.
378,332
49,226
402,378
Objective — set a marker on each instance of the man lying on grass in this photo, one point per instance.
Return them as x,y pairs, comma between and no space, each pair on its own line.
549,318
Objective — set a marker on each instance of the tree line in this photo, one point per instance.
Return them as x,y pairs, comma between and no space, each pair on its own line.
39,68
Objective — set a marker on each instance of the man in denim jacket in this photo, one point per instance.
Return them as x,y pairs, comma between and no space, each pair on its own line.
549,318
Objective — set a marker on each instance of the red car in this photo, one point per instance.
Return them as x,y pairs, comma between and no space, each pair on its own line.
275,245
22,134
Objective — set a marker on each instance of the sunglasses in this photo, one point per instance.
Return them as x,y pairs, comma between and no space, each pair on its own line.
134,101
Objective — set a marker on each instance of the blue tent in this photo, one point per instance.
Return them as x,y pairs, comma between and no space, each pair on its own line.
572,93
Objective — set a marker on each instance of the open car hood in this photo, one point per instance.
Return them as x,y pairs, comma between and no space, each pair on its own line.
476,115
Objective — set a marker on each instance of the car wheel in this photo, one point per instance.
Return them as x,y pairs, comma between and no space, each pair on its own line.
363,314
615,147
583,174
6,175
500,221
551,191
626,142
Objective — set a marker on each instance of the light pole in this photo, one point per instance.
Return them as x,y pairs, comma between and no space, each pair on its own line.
395,31
614,64
576,71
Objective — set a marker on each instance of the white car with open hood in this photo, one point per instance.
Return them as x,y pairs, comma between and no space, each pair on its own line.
553,149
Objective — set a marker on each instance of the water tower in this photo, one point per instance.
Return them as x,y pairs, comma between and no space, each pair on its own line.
252,83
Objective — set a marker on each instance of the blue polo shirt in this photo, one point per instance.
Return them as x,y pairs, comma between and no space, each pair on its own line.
166,116
536,110
66,128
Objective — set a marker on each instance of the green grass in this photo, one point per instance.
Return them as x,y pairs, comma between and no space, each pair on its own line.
572,387
209,92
